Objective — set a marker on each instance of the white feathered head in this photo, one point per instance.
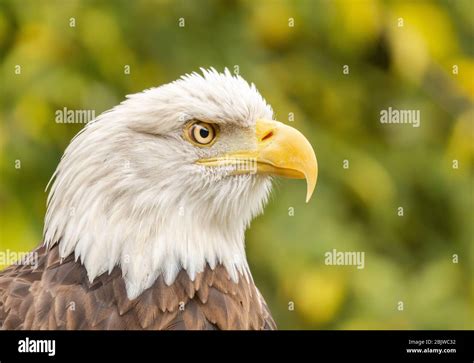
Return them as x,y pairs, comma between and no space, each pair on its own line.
170,179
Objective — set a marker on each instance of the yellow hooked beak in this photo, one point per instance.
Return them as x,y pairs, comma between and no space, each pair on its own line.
281,150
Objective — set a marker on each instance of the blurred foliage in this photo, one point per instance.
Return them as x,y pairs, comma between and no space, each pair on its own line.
298,70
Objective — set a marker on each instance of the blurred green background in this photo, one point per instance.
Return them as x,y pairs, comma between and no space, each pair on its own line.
299,70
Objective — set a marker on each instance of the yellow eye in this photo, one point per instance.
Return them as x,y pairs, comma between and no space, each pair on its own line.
202,133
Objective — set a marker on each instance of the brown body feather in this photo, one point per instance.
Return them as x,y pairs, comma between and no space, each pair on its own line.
56,294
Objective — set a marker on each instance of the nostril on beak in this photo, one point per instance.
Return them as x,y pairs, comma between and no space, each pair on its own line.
268,135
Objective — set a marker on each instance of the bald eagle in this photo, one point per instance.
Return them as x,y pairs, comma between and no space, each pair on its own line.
147,213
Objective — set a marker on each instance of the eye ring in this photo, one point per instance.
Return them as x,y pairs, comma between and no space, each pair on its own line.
201,133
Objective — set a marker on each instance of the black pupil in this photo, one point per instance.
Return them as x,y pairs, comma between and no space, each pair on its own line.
203,132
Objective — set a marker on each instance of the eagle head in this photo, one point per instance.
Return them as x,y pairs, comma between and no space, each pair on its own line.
171,178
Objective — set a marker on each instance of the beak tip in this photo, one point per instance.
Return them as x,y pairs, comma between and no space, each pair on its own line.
311,179
310,190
